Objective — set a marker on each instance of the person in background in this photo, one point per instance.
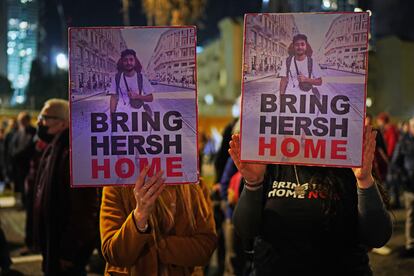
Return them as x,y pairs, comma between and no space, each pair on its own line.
22,146
11,130
403,166
29,186
219,194
390,134
64,218
380,169
5,261
218,198
2,155
381,159
404,127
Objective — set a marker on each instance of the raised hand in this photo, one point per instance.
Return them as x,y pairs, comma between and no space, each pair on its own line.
146,193
364,174
131,95
253,173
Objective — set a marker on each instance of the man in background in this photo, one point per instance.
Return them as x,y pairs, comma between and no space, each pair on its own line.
64,219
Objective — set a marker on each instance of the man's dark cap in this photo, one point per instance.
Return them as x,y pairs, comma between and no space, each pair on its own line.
127,52
300,37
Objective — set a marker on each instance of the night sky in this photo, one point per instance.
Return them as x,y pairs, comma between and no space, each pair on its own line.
108,13
392,16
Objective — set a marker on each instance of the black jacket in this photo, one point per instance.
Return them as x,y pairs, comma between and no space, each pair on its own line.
293,236
65,219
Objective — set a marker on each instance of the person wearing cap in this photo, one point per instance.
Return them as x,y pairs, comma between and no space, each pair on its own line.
299,72
130,89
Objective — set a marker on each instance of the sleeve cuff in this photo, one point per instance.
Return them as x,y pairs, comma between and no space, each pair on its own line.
147,231
254,195
370,199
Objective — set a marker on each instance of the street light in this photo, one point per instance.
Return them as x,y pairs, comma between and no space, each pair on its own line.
235,110
62,61
369,102
209,99
23,25
19,99
199,49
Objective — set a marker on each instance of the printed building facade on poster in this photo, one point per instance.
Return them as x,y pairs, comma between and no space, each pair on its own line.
94,57
173,60
346,42
267,42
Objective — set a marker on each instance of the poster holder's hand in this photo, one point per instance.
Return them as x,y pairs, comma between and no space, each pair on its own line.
364,174
302,78
144,98
146,193
253,173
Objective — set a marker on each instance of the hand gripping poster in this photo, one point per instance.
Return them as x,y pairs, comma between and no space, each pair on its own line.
133,104
304,88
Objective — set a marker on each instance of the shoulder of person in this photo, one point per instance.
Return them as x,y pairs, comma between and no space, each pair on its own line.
122,192
286,60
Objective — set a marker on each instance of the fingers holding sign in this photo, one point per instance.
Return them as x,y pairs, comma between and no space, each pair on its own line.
364,174
146,193
253,173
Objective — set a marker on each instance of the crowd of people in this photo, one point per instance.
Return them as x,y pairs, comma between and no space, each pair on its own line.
61,223
175,230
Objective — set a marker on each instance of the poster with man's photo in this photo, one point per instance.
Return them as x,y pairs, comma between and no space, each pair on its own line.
304,88
133,104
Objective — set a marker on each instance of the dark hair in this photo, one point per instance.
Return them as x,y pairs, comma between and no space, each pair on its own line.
127,52
124,53
300,37
384,116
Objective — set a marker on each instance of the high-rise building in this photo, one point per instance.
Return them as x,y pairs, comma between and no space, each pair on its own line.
22,25
3,39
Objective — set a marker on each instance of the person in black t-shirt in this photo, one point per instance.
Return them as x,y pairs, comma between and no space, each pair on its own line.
311,220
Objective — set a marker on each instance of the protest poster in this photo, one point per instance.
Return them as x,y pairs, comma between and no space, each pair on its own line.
304,88
133,104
